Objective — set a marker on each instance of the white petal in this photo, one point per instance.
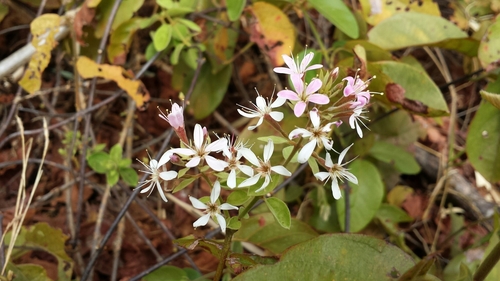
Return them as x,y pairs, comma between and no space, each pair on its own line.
162,195
222,222
267,180
268,150
183,151
343,153
198,136
359,130
217,145
165,158
195,161
328,160
203,220
327,143
168,175
295,133
261,103
197,203
147,188
247,170
248,115
350,177
214,195
335,189
322,175
227,206
281,170
313,114
306,151
153,164
250,181
278,102
231,179
215,164
256,125
276,115
250,156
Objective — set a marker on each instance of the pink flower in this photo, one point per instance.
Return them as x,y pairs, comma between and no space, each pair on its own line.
175,118
294,68
357,87
304,95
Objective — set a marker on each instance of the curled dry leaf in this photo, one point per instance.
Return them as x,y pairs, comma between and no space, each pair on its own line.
272,31
396,94
44,29
84,17
134,88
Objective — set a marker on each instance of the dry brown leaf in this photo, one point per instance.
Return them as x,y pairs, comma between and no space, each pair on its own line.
134,88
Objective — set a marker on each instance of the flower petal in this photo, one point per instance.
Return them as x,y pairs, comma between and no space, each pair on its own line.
314,116
247,170
344,152
231,179
203,220
256,125
314,86
217,145
314,66
268,150
261,103
267,180
250,156
250,181
277,116
214,195
168,175
183,151
222,222
328,160
297,83
198,136
162,194
164,158
215,164
306,151
335,189
227,206
318,99
299,108
278,102
322,175
295,133
306,61
197,203
290,63
195,161
248,115
289,95
281,170
283,70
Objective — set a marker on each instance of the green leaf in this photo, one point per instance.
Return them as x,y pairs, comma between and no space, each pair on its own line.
286,153
398,128
483,141
417,84
264,231
129,175
28,272
459,269
120,40
338,14
275,139
124,13
208,91
489,48
365,197
191,243
162,37
419,270
174,57
190,24
112,177
116,152
494,274
124,163
190,57
167,4
493,98
402,160
100,162
234,223
237,197
392,214
280,211
183,184
413,29
181,33
313,165
336,257
235,8
167,273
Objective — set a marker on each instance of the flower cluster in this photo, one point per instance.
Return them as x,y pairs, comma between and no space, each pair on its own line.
233,164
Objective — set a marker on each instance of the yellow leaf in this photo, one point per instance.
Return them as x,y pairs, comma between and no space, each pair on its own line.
134,88
375,11
44,29
273,31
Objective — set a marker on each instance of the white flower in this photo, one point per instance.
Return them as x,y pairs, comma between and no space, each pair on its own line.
212,209
356,118
294,68
263,167
262,108
233,155
154,170
336,172
317,135
201,150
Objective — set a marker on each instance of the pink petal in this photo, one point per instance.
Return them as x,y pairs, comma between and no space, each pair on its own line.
283,70
313,67
314,86
298,84
287,94
299,108
306,61
318,98
290,63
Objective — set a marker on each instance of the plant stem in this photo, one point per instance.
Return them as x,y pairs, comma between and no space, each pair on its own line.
224,254
488,263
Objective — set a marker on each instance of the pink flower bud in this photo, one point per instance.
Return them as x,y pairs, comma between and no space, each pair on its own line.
176,117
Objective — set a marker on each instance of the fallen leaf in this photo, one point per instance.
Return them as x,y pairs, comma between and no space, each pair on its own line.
134,88
272,32
83,17
44,29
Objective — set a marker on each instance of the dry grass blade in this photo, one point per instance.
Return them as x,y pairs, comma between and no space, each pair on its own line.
23,204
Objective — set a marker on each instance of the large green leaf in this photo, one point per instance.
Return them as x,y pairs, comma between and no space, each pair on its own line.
28,272
336,257
413,29
235,8
264,231
365,197
483,142
489,49
338,14
417,84
402,160
280,211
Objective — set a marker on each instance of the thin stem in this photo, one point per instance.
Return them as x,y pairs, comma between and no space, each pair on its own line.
224,254
488,263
